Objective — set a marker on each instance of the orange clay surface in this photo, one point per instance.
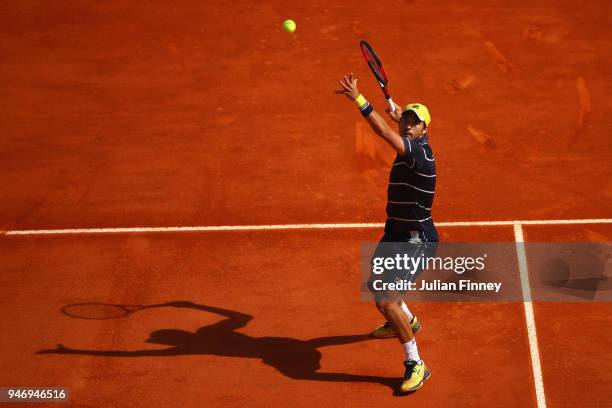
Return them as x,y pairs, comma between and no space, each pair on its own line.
126,114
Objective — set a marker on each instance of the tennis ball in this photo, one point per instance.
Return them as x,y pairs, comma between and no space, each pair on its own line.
289,26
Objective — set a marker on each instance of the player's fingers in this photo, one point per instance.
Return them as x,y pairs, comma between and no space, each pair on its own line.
344,89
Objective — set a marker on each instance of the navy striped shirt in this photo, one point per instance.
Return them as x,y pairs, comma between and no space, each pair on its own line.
410,195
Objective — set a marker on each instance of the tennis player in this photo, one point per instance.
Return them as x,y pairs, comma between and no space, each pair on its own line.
409,227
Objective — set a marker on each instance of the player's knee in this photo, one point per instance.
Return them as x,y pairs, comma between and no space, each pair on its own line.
385,305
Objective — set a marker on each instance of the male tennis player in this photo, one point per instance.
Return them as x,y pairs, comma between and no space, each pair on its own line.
409,226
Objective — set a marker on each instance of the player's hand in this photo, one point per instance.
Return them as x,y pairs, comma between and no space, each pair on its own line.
349,87
396,115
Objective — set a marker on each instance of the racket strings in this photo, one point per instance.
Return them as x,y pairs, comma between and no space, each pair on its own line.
95,311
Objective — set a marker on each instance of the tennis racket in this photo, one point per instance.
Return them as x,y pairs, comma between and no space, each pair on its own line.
102,311
378,71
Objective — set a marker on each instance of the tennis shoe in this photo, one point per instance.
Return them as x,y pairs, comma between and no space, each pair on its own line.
386,331
416,374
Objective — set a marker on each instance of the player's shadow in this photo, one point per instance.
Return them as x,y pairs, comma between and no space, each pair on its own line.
296,359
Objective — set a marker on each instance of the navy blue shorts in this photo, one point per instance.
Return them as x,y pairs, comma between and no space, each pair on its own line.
412,249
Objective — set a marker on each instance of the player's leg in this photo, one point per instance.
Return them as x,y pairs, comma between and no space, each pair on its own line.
396,317
413,249
387,247
390,305
386,331
416,370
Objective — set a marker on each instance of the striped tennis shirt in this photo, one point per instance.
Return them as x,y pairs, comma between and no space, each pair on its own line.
410,195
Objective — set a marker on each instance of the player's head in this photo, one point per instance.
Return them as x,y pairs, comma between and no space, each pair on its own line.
415,121
170,337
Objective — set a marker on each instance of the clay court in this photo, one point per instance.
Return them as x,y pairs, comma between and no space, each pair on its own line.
195,152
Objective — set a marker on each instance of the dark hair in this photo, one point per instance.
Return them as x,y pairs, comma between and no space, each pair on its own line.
406,112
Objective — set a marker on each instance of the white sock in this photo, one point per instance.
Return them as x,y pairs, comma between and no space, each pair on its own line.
406,310
411,351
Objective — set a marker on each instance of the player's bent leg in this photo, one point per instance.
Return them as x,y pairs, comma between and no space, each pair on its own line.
388,306
386,330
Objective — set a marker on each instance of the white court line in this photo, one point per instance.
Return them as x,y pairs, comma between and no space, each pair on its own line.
529,316
121,230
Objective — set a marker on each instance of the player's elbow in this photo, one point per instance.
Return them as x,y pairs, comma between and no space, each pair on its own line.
386,133
394,141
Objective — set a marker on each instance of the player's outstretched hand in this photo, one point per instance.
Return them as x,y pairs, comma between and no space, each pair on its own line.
396,115
349,87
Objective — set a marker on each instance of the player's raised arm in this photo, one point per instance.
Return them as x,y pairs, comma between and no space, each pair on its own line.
376,122
239,319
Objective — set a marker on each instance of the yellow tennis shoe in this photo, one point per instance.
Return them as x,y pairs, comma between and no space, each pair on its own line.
416,373
386,331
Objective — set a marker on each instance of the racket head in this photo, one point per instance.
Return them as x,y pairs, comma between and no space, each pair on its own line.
374,63
98,311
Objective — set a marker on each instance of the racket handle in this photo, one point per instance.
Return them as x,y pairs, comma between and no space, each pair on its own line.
391,104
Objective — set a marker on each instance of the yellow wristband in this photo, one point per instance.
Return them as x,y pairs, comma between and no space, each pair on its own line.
361,101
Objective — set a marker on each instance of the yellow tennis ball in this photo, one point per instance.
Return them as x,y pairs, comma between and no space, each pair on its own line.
289,26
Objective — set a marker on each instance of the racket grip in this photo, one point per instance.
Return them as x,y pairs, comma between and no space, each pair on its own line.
391,104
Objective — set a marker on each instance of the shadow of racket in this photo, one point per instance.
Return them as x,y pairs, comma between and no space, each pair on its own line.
103,311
